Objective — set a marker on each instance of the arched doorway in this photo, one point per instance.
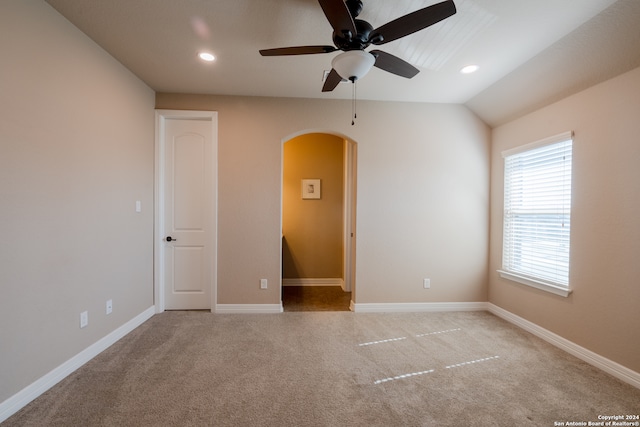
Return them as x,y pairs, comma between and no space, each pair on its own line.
318,222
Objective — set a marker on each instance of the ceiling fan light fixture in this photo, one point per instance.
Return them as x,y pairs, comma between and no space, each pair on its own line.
353,64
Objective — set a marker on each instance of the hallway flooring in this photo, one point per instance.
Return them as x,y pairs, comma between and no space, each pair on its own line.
315,298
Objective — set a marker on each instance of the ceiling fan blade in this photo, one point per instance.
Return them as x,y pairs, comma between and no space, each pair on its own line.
393,64
333,79
338,15
297,50
415,21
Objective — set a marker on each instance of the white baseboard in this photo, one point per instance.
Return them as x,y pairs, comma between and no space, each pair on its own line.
417,307
313,282
600,362
248,308
35,389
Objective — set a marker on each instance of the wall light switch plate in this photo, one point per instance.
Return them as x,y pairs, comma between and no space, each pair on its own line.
84,319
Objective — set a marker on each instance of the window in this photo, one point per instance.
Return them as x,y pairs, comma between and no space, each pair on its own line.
537,214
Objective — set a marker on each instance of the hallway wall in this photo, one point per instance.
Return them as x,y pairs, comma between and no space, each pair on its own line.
313,228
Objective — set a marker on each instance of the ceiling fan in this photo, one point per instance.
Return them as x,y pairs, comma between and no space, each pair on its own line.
353,36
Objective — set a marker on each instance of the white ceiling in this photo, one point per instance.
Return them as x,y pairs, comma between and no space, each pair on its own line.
530,52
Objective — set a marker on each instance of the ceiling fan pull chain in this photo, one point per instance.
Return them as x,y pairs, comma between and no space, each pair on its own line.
355,99
353,102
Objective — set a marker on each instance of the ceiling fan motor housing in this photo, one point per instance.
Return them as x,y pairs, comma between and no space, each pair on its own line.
344,40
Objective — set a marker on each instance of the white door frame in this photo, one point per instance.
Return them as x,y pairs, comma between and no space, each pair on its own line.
159,185
349,219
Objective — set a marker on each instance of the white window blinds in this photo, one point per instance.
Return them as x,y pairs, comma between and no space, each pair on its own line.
537,211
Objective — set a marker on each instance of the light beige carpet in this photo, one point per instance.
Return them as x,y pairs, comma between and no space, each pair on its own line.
330,369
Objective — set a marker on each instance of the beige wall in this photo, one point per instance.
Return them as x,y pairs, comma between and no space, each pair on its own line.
313,229
602,313
76,152
422,194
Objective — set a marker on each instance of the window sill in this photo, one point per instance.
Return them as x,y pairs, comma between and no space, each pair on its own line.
548,287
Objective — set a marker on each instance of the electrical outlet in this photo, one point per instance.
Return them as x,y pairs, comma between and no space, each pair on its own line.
109,306
263,283
426,283
84,319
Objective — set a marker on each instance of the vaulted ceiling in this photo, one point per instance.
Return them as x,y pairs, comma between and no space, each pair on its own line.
529,52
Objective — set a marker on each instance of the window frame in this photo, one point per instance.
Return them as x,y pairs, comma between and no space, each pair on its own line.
520,277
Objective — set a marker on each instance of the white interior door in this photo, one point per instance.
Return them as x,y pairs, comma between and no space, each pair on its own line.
187,232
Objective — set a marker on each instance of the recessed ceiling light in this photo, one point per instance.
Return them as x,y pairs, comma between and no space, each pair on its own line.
206,56
469,69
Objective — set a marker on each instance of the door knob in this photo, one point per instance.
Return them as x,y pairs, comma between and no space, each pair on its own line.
171,239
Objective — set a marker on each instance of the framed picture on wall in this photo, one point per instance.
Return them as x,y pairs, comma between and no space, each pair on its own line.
310,188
